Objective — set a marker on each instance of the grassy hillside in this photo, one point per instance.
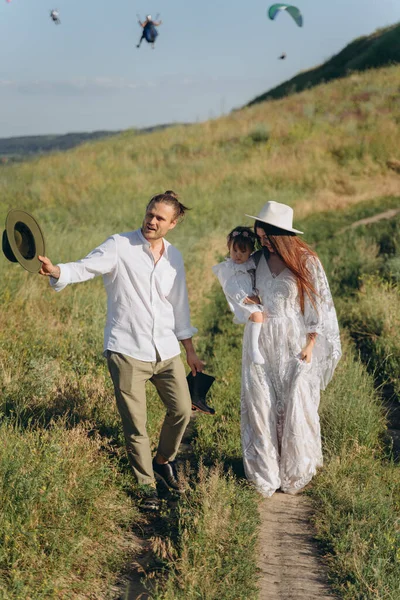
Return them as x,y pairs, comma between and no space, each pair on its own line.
331,152
324,149
379,49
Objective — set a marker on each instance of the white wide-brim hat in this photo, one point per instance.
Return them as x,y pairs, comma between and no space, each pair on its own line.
277,214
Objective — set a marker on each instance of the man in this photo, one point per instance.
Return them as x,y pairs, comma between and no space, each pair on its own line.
148,312
149,32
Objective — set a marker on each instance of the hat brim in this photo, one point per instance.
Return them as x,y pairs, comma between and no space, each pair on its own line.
14,217
273,224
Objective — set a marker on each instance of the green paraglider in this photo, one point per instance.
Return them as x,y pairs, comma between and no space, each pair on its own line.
275,9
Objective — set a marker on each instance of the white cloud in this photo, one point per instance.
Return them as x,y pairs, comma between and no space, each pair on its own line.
76,86
105,85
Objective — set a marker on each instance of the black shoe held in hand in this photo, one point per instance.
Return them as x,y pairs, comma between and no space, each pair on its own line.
198,388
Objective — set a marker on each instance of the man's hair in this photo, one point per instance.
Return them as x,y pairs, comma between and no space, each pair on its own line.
171,198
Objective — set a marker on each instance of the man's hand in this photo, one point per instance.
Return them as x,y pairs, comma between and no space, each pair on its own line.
48,269
194,362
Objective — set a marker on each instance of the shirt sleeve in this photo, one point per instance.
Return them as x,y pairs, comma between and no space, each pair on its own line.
178,298
100,261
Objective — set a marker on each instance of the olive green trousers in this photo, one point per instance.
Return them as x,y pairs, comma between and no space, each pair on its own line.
129,377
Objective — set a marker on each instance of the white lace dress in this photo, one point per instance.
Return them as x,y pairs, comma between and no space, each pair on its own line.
279,400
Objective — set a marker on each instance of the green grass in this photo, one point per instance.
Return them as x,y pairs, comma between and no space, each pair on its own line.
357,494
357,519
362,266
373,321
64,515
351,412
215,556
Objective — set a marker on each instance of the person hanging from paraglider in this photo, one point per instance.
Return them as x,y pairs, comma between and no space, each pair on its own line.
276,9
149,32
54,16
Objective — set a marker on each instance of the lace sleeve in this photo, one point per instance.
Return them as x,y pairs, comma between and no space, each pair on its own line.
322,320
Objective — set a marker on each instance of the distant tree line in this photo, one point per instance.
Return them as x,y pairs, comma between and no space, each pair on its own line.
19,148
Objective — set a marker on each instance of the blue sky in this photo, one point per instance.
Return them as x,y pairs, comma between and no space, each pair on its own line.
210,57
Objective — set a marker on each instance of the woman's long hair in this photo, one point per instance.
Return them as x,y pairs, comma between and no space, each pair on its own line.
295,254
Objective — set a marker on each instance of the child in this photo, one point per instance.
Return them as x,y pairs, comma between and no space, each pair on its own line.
236,276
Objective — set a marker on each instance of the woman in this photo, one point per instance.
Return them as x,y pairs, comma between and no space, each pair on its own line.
300,344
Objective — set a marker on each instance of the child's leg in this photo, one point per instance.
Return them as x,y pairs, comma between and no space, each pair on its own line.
257,319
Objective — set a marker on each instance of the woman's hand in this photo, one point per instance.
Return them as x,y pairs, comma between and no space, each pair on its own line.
306,353
252,300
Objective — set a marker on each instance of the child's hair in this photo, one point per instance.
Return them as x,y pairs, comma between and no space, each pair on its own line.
171,198
242,237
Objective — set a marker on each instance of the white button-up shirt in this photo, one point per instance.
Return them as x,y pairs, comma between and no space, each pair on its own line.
147,303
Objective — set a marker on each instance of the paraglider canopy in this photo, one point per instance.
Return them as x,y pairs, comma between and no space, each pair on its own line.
275,9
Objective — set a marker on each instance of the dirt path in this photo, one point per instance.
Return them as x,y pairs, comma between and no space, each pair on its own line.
132,587
288,558
388,214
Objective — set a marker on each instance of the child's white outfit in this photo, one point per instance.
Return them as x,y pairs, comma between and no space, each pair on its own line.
237,281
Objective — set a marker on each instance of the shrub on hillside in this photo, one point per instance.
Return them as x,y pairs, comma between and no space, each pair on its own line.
392,269
346,259
259,134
